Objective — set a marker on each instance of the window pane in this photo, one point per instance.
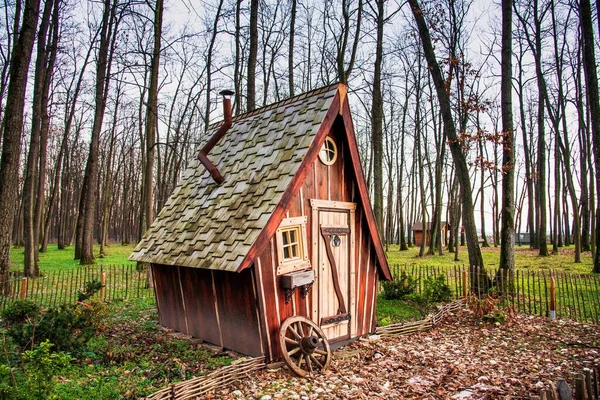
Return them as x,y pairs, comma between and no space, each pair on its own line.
286,252
284,236
294,250
293,236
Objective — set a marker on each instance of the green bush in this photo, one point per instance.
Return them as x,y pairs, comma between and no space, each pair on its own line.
91,288
436,290
41,368
68,327
399,288
20,311
20,319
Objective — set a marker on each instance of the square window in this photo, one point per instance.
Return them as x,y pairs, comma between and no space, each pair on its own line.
291,244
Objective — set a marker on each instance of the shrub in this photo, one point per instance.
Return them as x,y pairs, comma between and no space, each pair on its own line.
68,327
90,288
20,320
496,316
399,288
485,305
20,311
436,290
41,368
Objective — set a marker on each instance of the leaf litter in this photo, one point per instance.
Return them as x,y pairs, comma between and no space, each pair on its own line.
461,358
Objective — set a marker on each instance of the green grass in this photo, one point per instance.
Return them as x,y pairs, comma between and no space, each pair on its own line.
56,259
394,311
525,259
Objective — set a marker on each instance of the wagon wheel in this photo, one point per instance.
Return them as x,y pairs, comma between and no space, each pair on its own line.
304,346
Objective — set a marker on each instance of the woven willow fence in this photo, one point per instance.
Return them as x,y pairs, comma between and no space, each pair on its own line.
406,328
198,387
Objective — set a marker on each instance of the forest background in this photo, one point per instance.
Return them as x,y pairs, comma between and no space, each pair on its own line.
105,103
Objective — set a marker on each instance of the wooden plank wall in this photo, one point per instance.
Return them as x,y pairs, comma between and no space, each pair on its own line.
335,183
218,307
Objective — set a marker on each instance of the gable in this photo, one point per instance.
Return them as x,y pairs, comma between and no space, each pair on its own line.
340,110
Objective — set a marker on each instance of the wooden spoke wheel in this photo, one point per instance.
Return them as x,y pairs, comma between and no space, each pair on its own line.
304,346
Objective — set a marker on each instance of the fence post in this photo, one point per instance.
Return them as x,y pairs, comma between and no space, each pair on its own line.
103,283
580,387
23,288
552,298
465,283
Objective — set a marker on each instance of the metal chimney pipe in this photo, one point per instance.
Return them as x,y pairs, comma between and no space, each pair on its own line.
203,154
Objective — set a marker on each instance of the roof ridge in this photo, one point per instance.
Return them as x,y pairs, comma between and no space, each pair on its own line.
272,106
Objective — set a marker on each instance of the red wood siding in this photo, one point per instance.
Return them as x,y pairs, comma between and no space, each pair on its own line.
218,307
237,312
201,315
168,296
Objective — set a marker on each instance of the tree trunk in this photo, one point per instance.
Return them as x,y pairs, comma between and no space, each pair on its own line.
507,241
591,80
291,48
527,156
462,171
12,128
45,130
30,231
87,204
377,123
252,56
484,242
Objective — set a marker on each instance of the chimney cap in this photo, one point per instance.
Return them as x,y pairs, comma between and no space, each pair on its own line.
226,92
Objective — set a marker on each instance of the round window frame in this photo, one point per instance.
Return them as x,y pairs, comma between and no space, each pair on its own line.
333,147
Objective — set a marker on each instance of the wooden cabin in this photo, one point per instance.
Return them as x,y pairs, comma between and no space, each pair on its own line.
289,232
418,233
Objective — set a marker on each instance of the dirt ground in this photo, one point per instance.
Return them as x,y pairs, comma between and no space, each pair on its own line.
462,358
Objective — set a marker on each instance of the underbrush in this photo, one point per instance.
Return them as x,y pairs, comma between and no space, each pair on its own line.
114,351
401,302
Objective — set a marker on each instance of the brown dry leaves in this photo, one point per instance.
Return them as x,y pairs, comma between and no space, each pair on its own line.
462,358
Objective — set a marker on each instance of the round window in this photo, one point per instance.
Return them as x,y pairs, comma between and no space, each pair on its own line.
328,153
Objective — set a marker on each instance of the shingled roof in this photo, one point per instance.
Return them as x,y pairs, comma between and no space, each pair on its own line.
204,225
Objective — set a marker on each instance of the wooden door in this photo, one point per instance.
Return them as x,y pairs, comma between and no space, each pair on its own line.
333,245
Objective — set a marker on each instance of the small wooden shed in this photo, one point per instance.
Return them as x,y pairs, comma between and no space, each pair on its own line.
289,232
417,229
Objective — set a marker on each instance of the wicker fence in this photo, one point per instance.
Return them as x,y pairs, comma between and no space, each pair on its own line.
197,388
63,286
577,296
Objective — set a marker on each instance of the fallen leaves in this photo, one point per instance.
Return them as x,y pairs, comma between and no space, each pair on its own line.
462,358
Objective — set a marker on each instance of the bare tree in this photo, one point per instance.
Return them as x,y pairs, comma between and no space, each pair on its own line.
507,241
462,171
42,74
252,57
591,80
87,203
12,128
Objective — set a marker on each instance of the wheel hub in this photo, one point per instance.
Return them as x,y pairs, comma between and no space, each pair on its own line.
308,344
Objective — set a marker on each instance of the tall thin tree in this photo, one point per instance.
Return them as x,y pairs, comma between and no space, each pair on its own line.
507,240
12,128
591,81
478,280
